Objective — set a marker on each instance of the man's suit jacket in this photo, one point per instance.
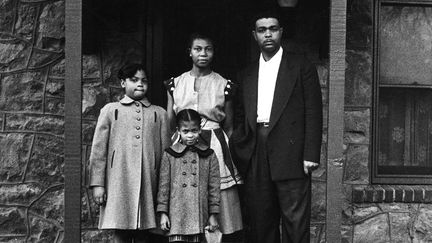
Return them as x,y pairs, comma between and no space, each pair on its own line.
295,127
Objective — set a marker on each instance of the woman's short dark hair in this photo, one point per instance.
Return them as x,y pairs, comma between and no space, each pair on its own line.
129,70
196,36
187,115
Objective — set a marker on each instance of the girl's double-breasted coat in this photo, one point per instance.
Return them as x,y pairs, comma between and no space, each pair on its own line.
189,187
128,144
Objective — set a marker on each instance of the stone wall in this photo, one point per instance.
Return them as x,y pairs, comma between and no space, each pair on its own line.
379,213
31,120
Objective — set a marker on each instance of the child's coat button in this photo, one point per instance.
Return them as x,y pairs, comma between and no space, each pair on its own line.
194,185
184,161
138,119
138,128
193,173
184,185
184,173
138,111
193,161
137,136
136,104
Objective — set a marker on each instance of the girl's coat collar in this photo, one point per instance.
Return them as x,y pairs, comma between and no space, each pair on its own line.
177,150
128,100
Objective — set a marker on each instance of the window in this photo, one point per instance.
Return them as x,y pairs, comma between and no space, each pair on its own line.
402,147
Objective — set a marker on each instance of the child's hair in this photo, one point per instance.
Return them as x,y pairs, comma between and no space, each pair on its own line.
188,115
129,70
196,36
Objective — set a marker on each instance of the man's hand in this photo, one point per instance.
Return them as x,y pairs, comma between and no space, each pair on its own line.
99,195
165,222
309,166
212,223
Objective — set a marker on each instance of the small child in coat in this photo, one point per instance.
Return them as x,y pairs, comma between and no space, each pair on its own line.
128,143
189,184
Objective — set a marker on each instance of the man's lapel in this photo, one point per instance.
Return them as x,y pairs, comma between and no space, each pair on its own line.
285,82
250,90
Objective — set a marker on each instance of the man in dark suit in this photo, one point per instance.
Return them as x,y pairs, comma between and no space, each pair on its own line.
278,137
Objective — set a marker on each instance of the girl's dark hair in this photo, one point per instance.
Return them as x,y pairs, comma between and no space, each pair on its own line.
129,70
195,36
188,115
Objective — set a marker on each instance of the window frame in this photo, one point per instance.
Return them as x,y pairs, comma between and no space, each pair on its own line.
375,177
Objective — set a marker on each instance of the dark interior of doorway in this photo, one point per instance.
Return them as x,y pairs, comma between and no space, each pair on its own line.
306,29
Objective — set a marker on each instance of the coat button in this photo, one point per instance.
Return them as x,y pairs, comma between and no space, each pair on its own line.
138,128
184,173
138,118
193,173
136,104
138,111
193,161
194,185
184,185
137,136
184,161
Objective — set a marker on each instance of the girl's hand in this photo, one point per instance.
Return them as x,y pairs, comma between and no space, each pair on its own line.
212,223
99,195
165,222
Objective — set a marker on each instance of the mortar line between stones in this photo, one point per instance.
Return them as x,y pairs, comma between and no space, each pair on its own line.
15,17
47,71
31,113
34,132
368,217
36,24
390,226
24,175
14,37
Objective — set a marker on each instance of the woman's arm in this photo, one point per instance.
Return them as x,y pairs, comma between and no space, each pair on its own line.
228,122
170,113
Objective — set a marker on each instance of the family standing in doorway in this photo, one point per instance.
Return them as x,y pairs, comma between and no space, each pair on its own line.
259,135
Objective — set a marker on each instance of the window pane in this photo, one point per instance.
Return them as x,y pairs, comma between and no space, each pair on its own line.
405,41
405,131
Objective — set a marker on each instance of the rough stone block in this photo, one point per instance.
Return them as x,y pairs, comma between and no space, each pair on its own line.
14,149
346,233
375,229
42,230
358,81
364,211
422,226
54,105
400,224
357,126
88,128
12,220
58,70
6,15
359,24
25,122
41,58
96,236
91,66
51,31
47,161
19,193
50,205
94,97
318,201
55,87
22,92
116,94
13,56
24,25
356,168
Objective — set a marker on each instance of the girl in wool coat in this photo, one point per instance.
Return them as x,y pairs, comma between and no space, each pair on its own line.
189,184
128,143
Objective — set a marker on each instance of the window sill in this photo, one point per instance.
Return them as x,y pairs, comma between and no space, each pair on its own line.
391,193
